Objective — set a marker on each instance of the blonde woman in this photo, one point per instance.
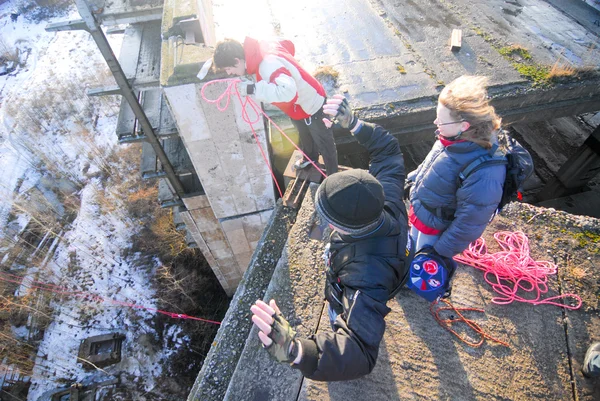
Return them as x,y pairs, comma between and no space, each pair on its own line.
443,214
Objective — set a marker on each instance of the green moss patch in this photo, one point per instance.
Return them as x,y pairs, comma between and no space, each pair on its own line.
534,72
515,51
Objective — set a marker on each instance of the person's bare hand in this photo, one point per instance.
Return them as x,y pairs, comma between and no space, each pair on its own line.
263,318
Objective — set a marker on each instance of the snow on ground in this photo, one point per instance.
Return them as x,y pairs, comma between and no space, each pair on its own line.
89,256
90,259
57,61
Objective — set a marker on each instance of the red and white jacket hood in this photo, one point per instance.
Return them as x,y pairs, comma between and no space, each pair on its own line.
280,80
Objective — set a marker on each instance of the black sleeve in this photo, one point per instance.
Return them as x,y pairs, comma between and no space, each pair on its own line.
350,352
386,164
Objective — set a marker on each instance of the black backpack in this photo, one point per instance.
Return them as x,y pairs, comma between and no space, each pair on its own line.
519,167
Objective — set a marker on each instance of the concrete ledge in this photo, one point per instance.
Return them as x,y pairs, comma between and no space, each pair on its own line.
180,62
297,286
411,121
222,358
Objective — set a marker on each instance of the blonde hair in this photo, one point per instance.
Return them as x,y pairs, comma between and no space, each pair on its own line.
466,98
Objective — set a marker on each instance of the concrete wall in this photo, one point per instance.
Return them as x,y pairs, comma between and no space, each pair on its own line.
227,244
228,221
223,150
228,344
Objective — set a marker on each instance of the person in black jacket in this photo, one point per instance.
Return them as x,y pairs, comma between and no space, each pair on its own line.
368,259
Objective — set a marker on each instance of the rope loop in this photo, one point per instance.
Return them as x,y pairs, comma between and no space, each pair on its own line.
513,273
248,103
437,309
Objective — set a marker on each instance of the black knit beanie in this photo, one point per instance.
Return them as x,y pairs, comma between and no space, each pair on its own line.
351,200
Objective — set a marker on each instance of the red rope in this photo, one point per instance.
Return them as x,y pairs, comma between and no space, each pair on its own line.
512,270
258,111
436,310
39,285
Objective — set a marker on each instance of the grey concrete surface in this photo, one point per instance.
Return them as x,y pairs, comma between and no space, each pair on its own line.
297,286
366,41
420,360
222,358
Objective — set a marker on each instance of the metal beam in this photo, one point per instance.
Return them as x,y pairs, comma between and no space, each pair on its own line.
116,90
104,91
127,92
76,25
576,172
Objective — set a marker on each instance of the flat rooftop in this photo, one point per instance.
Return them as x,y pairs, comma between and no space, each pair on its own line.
393,58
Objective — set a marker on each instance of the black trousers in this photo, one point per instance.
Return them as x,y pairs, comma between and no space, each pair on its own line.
316,138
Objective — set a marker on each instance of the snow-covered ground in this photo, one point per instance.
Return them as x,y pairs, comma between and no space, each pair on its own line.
89,256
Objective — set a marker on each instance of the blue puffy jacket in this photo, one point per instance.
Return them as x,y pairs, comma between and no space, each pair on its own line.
436,187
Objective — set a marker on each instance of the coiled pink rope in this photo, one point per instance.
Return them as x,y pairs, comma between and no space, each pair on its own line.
512,271
226,98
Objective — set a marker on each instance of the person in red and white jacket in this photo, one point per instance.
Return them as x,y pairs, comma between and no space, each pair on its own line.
279,79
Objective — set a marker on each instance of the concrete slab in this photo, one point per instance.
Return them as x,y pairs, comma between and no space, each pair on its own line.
419,360
369,42
228,162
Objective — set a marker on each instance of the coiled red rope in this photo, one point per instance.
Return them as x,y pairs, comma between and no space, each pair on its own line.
513,273
39,285
222,103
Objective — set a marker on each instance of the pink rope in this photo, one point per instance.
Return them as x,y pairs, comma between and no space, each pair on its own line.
226,96
512,270
39,285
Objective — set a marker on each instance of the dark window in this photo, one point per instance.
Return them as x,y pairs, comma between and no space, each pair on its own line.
102,347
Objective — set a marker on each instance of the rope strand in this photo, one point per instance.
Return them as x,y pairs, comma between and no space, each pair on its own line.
226,98
39,285
436,309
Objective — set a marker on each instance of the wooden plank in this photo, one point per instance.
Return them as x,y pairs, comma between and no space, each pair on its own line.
456,40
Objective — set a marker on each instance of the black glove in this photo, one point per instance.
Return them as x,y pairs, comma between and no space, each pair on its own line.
346,113
284,347
339,108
